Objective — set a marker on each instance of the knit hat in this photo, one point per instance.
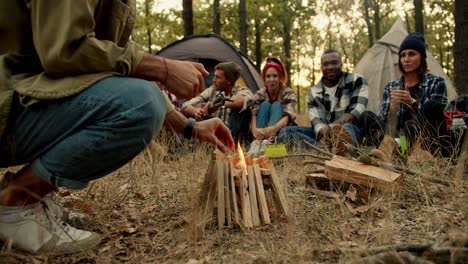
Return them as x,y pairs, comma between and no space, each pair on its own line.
415,41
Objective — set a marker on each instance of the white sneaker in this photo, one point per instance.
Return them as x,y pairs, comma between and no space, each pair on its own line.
54,206
37,229
255,147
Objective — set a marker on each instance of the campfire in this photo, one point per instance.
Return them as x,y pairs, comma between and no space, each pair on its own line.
242,191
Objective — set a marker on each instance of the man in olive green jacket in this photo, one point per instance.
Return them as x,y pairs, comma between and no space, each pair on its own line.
78,101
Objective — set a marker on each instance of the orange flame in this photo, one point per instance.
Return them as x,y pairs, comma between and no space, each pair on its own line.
242,163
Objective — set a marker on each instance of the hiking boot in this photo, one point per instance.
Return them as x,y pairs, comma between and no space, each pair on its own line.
340,138
37,229
387,150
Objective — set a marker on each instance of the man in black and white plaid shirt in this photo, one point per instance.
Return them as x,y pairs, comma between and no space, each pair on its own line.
335,105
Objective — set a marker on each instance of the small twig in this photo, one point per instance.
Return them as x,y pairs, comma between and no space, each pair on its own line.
326,153
316,162
315,171
389,166
299,155
328,194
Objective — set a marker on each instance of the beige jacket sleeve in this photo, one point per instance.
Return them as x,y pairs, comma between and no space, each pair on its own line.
66,43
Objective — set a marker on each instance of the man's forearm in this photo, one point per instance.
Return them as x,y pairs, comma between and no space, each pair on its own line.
152,68
176,121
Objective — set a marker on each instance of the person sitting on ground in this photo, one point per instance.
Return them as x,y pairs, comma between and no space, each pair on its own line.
335,105
78,101
412,105
224,99
274,104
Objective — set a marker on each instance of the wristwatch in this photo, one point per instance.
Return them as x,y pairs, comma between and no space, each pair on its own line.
189,128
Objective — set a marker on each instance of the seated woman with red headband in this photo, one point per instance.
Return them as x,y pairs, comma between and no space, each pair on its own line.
274,103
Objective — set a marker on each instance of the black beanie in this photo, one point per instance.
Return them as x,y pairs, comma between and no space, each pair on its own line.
415,41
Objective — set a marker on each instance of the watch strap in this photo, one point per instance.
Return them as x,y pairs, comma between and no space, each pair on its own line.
188,130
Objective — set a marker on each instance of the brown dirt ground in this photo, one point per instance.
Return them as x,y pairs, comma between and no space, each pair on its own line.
138,210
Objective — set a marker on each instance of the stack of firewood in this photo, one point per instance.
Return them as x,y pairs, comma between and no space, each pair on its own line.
241,191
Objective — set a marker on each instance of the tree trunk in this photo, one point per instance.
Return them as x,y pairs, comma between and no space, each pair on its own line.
216,18
243,26
408,26
258,45
298,71
461,47
148,29
370,32
418,16
287,44
187,15
377,20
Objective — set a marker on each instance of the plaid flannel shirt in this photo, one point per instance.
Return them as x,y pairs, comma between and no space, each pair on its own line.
287,97
224,113
351,97
431,87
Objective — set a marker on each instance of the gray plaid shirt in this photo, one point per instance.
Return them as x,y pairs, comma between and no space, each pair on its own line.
224,113
351,97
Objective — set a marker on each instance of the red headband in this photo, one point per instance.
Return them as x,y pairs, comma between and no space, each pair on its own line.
274,65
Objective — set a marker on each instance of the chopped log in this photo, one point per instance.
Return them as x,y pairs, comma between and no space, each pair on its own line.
245,201
278,190
326,153
341,168
272,210
262,203
265,172
366,159
227,194
233,192
221,203
262,161
253,196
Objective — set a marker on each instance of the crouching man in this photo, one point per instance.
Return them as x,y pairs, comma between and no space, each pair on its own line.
78,101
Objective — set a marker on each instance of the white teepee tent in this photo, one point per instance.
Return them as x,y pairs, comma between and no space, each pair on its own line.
380,65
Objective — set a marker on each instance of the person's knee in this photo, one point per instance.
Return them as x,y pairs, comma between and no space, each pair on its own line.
145,106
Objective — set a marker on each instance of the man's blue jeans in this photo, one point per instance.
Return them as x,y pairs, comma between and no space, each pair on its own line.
269,114
296,135
83,137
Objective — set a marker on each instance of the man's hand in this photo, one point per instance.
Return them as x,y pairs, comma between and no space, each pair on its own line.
184,78
215,131
346,118
198,113
323,134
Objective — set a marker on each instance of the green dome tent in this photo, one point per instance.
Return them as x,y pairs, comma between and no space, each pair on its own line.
211,49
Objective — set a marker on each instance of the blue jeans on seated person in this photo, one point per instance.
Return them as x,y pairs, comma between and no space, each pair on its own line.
269,114
294,136
74,140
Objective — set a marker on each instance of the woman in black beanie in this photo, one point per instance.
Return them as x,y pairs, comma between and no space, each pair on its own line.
413,105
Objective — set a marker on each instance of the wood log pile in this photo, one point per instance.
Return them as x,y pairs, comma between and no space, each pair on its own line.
241,191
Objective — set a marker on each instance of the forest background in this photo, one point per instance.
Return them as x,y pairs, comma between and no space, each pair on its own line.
299,31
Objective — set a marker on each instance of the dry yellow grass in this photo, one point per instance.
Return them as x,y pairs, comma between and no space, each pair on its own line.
138,210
